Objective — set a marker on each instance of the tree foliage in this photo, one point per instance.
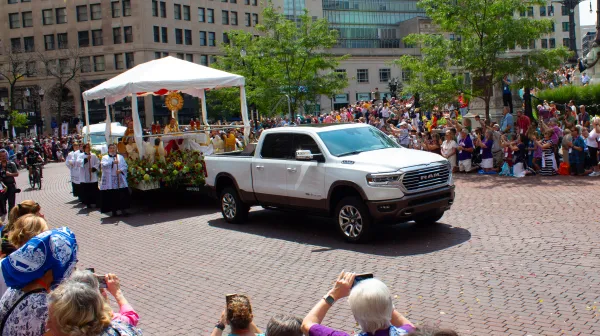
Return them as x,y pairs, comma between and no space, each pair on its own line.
16,65
18,119
484,30
288,58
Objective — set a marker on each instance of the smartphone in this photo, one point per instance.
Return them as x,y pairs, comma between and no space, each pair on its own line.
101,281
360,277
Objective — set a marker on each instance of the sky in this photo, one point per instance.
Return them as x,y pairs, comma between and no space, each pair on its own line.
587,18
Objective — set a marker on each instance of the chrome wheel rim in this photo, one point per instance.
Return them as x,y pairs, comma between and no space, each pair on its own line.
350,221
228,206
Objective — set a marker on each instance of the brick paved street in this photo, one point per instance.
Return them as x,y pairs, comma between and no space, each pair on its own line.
513,257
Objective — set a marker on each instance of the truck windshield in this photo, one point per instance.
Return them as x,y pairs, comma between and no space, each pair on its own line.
351,141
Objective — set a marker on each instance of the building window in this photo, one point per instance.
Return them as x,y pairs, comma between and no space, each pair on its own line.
566,42
553,27
31,68
247,19
13,18
565,26
128,34
234,18
341,73
544,42
49,42
213,59
225,38
211,15
61,15
99,63
28,43
224,17
165,35
254,3
63,66
10,2
233,1
204,60
552,43
15,44
129,61
201,14
117,36
116,8
211,39
63,41
247,2
188,37
119,62
84,38
82,13
179,55
384,75
126,7
154,8
156,34
530,11
47,17
523,13
362,75
532,44
85,64
203,38
189,57
97,37
163,9
254,19
177,11
405,75
542,10
178,36
186,13
27,19
96,11
156,54
564,10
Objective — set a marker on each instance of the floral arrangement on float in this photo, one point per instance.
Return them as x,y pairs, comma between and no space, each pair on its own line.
180,168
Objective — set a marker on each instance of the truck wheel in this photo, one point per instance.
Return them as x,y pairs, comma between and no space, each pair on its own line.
353,220
429,219
232,207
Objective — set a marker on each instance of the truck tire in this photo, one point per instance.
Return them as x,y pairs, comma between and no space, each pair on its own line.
232,207
353,220
430,218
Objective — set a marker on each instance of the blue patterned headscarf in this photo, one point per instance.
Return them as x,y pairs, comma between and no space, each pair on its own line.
54,250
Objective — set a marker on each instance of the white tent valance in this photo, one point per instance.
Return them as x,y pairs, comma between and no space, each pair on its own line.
159,77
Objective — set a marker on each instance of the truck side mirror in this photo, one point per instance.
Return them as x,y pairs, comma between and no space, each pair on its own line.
304,155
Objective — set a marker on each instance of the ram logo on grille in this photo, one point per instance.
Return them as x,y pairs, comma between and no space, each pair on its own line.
430,176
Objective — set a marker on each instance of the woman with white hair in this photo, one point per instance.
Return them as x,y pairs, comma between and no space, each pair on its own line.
371,304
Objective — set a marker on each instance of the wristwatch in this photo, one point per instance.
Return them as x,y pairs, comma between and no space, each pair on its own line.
329,299
220,326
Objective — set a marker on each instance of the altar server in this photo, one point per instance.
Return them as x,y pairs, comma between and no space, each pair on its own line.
114,193
89,165
73,168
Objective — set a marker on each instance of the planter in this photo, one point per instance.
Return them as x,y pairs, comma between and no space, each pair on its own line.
146,185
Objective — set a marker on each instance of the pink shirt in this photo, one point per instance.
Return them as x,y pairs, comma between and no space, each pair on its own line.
127,314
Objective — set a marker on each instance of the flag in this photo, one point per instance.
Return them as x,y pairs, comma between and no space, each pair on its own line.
14,133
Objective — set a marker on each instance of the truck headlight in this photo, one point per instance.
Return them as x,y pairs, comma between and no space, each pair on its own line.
384,179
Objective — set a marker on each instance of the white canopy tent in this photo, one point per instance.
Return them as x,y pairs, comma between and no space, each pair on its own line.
159,77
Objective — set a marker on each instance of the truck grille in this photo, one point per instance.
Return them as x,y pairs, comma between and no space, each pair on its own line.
421,178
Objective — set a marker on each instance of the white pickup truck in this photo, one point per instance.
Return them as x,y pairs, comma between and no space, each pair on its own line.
351,172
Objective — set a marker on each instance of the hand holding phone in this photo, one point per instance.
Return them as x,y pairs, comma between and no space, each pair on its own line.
360,277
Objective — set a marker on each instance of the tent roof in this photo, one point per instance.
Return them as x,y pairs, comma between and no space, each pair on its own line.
115,129
168,73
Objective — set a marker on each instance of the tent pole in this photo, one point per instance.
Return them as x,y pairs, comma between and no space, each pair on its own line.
244,108
87,121
204,112
108,127
137,126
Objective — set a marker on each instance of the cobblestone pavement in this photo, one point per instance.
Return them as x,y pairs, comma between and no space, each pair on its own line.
512,257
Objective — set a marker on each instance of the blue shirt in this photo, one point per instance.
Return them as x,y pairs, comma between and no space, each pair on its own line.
507,121
505,86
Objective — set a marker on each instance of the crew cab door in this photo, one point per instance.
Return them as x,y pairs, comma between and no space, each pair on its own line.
306,179
269,169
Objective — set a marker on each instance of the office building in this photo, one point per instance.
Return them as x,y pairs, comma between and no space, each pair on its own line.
588,35
113,36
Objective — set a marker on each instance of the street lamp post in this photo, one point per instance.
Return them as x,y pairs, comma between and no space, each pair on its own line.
570,5
393,85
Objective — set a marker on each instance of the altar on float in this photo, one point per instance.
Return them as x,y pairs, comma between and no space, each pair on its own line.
161,77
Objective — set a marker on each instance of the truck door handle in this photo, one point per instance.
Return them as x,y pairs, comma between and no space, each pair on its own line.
260,167
292,170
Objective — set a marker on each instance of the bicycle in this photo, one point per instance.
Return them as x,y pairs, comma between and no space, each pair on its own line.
35,177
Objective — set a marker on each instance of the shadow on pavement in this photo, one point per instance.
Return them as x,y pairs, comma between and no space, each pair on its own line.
397,240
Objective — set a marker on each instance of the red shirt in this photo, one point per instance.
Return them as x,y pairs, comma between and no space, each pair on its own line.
523,124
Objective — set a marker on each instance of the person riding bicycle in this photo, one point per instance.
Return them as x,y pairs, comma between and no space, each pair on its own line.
32,157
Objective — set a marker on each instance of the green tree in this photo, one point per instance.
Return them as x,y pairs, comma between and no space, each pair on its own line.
18,119
484,32
289,58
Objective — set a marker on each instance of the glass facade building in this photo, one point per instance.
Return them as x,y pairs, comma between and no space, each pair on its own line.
293,7
368,23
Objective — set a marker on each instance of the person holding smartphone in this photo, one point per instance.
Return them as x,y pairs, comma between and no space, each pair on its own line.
238,315
370,302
